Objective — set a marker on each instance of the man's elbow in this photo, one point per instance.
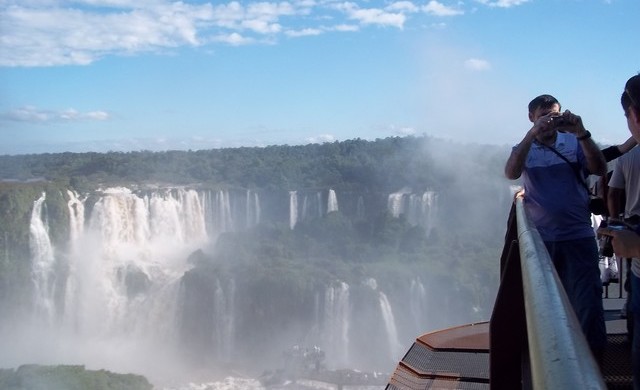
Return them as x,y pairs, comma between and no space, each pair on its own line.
511,174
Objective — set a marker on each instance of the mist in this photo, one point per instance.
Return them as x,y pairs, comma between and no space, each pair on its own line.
198,283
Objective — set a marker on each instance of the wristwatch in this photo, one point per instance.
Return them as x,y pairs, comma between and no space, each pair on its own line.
587,134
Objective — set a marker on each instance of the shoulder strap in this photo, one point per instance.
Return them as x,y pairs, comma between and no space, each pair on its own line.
578,175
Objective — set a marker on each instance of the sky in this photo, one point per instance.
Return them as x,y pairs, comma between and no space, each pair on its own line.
120,75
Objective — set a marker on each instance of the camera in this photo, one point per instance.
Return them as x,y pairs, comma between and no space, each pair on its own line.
559,121
605,246
604,243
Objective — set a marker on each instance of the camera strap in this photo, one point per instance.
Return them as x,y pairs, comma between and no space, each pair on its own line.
580,178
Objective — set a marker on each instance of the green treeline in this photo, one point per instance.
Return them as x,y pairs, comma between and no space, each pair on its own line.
388,163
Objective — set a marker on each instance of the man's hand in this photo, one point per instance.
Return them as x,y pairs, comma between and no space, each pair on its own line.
543,127
572,123
626,243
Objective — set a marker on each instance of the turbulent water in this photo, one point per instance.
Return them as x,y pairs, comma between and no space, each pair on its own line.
116,303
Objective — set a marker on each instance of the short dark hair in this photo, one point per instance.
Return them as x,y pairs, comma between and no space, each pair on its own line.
543,101
630,98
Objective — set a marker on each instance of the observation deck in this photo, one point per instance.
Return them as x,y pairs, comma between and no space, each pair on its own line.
531,341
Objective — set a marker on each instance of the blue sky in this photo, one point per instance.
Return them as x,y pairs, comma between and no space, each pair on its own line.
101,75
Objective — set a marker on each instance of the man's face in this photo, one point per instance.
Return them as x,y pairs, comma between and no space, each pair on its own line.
540,112
549,132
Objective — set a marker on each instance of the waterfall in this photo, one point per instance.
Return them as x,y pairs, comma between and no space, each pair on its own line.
319,203
305,208
390,325
224,320
360,207
332,202
336,325
124,271
76,216
395,203
432,204
418,209
43,260
293,209
220,213
417,303
252,209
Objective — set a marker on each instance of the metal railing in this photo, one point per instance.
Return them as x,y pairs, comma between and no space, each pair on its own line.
535,338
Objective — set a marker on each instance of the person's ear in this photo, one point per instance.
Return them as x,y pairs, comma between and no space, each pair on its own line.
531,117
633,117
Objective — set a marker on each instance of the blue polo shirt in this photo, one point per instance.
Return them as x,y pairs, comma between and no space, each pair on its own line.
556,202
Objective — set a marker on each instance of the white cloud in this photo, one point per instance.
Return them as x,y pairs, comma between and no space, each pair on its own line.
346,27
233,39
62,36
438,9
304,32
502,3
403,6
51,33
261,26
372,15
322,138
35,115
477,64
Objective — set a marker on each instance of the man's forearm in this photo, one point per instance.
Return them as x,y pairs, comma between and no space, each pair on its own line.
515,163
595,159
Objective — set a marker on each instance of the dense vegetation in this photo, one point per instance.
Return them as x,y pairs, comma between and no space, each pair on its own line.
35,377
385,164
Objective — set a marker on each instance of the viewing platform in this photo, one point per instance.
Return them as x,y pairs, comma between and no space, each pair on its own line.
530,341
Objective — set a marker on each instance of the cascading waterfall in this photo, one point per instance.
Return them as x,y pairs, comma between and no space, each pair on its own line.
293,209
76,216
121,281
131,253
395,347
118,278
218,212
417,302
224,320
253,209
305,207
336,325
319,203
332,202
395,203
419,210
43,261
360,207
226,211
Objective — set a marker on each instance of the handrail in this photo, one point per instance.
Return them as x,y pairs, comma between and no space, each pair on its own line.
535,338
558,351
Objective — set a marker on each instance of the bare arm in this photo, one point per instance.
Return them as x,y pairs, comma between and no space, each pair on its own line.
627,145
596,164
515,163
